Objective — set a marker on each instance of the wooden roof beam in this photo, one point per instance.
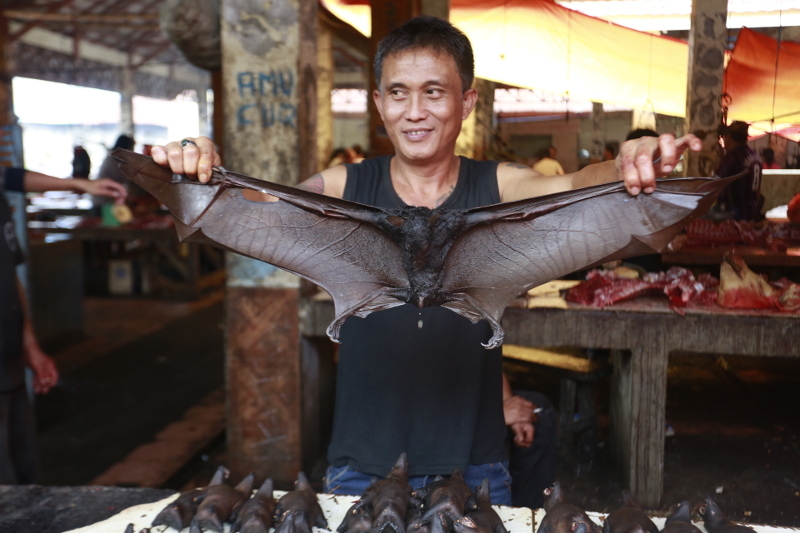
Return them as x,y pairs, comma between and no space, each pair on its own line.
77,18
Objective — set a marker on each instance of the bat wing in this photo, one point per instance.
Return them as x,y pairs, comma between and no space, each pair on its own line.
332,242
512,247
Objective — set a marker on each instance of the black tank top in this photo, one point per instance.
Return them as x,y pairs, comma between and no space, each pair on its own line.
432,391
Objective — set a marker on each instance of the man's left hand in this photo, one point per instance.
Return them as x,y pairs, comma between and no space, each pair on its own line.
641,161
520,415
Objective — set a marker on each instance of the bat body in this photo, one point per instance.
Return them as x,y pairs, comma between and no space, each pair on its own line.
256,514
384,504
680,520
482,519
562,516
221,504
298,510
628,519
471,261
178,514
716,521
448,497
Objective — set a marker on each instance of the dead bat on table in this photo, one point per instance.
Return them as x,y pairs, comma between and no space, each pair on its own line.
221,504
680,520
384,504
472,261
482,519
562,516
630,518
256,514
716,521
445,498
179,513
298,510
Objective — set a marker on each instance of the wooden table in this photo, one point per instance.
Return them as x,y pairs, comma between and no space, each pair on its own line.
752,255
642,334
161,243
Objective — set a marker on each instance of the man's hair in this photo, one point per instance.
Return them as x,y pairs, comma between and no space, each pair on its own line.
430,33
737,129
641,132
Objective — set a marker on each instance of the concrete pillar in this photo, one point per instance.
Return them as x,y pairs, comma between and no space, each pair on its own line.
386,16
598,132
270,122
203,115
707,43
477,130
324,88
643,118
126,124
11,149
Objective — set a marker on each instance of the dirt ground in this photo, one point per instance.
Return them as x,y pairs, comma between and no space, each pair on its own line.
735,419
736,440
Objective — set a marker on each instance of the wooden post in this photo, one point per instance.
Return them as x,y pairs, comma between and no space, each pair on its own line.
270,101
598,132
477,130
386,16
324,88
126,125
638,402
707,42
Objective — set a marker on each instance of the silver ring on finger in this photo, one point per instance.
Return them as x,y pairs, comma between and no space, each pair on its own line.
186,142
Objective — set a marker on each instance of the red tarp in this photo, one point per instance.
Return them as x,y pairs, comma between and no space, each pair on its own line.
762,81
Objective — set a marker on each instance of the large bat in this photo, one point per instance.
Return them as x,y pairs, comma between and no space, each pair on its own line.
472,261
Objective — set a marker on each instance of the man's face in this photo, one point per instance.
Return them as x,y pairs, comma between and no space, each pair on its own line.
421,104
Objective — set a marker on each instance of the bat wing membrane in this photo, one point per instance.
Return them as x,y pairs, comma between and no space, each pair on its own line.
516,246
328,241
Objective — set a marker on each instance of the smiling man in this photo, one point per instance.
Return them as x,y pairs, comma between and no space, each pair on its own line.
418,380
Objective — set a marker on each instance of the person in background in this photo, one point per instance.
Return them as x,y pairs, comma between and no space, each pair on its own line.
610,151
546,163
768,157
743,196
433,392
81,163
638,133
358,153
18,345
340,156
110,167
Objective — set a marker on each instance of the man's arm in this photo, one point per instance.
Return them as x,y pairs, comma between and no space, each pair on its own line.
638,164
45,372
519,415
38,182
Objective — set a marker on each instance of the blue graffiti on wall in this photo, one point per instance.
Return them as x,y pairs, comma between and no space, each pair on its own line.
266,89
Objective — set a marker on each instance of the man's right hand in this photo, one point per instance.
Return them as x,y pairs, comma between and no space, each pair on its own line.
194,158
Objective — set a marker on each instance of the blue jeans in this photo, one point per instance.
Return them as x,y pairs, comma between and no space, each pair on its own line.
347,480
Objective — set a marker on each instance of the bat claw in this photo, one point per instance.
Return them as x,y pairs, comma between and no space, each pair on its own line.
496,340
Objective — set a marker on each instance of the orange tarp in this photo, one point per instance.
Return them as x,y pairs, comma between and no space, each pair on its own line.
538,44
761,80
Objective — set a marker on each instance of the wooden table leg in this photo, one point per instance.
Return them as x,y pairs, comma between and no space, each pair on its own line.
638,403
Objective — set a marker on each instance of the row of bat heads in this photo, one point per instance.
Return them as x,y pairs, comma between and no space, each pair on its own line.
564,517
389,505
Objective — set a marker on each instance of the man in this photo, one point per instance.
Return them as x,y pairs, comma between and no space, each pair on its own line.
18,345
547,163
418,380
743,196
